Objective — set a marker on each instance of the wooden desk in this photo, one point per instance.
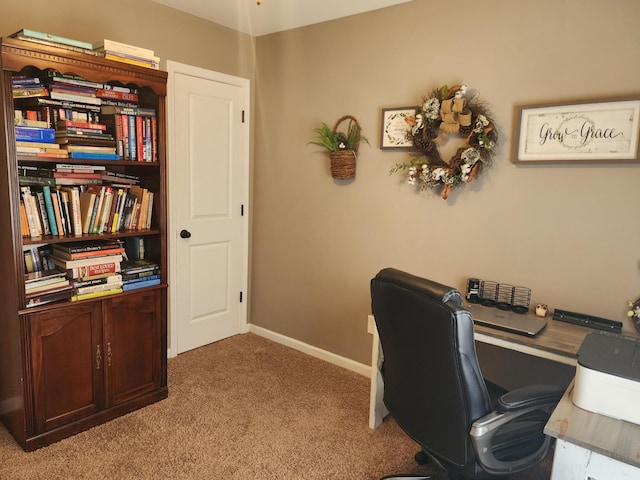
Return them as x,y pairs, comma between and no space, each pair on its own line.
559,342
590,445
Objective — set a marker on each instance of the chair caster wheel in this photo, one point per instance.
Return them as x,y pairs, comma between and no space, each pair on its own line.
421,458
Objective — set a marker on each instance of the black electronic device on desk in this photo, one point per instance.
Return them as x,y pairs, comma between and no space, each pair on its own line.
585,320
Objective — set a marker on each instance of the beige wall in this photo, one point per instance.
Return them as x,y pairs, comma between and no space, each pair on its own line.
570,233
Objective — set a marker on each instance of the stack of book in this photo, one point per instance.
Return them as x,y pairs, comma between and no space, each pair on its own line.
50,40
139,274
69,174
24,86
130,54
93,266
47,286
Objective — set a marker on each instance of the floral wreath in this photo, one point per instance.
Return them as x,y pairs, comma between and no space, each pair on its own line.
449,111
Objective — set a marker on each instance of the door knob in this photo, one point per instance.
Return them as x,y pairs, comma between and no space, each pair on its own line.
185,234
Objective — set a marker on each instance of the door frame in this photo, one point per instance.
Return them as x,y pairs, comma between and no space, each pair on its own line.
174,68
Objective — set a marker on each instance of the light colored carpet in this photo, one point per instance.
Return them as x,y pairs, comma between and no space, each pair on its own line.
243,408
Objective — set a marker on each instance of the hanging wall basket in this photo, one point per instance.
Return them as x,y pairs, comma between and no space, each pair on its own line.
342,146
343,162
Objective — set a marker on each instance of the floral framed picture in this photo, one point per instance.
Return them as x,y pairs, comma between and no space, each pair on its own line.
395,129
590,131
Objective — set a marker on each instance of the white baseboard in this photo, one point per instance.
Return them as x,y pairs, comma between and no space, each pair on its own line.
316,352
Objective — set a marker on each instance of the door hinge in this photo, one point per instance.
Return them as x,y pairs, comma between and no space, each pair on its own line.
240,297
242,116
242,210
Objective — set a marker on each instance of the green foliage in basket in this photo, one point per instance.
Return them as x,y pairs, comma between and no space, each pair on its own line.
334,141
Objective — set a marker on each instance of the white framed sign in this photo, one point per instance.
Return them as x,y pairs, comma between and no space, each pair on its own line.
578,132
395,129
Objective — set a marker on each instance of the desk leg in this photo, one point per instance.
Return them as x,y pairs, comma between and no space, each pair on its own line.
377,410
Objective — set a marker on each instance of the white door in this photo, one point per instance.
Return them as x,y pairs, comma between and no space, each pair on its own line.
208,177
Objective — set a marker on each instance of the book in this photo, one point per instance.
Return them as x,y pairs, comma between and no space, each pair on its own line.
50,285
43,275
25,32
41,298
135,285
116,95
113,278
34,181
76,298
57,212
84,246
134,247
33,218
44,214
35,134
94,156
138,62
131,277
143,278
80,291
53,226
94,271
137,266
124,48
74,97
74,205
64,124
87,261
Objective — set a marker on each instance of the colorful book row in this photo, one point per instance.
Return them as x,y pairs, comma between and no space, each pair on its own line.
93,209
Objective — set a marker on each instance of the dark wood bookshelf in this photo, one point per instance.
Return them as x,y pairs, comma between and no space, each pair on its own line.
67,366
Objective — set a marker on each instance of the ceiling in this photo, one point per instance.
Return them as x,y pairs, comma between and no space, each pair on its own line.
274,15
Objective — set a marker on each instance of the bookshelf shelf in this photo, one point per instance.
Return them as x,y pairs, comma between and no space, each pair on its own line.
130,324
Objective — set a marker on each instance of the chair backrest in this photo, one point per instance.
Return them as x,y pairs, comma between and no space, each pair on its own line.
433,386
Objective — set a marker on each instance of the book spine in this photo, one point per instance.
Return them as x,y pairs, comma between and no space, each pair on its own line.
116,95
43,213
56,210
35,134
98,288
75,210
94,270
71,97
46,191
76,298
135,285
55,38
139,138
124,48
132,138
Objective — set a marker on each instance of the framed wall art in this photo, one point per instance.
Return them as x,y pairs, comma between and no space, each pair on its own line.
591,131
395,128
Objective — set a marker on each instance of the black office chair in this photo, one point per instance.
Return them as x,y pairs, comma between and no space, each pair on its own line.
436,393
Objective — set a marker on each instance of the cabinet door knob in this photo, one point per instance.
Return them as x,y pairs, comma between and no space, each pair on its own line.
185,234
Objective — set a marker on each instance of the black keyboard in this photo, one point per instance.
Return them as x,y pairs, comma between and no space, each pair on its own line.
585,320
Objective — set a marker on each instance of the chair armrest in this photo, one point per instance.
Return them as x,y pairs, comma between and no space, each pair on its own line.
533,406
529,396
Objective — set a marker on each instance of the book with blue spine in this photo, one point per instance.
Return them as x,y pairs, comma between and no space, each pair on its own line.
94,156
135,285
35,134
46,190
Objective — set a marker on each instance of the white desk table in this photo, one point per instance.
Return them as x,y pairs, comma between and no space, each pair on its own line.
592,446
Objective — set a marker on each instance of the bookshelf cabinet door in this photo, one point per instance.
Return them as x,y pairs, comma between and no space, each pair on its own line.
67,364
133,329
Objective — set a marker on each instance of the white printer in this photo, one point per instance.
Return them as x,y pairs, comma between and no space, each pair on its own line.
608,376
